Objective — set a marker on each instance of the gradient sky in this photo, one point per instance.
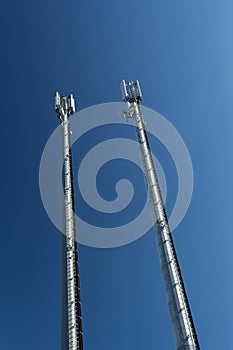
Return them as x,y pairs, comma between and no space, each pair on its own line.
182,53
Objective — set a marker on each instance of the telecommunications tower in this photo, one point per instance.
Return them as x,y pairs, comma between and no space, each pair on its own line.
181,317
72,338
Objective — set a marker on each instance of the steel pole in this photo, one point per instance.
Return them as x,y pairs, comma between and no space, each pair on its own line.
182,321
72,338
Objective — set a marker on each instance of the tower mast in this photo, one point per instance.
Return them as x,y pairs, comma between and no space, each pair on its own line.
180,312
72,338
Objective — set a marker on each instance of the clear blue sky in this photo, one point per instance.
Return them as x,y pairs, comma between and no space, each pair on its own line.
182,53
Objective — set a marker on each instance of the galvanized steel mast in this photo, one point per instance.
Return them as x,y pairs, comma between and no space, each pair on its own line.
71,305
181,317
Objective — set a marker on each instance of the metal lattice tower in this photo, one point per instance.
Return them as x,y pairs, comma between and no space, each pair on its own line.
181,317
72,338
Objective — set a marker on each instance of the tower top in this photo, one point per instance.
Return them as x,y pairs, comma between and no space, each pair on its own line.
131,91
64,105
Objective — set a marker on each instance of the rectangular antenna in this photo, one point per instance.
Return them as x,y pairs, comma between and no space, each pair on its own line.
139,92
57,101
124,92
71,104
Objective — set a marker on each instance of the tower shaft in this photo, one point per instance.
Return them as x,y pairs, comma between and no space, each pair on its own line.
182,321
71,318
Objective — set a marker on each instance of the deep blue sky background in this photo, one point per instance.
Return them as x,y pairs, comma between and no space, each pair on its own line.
182,53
